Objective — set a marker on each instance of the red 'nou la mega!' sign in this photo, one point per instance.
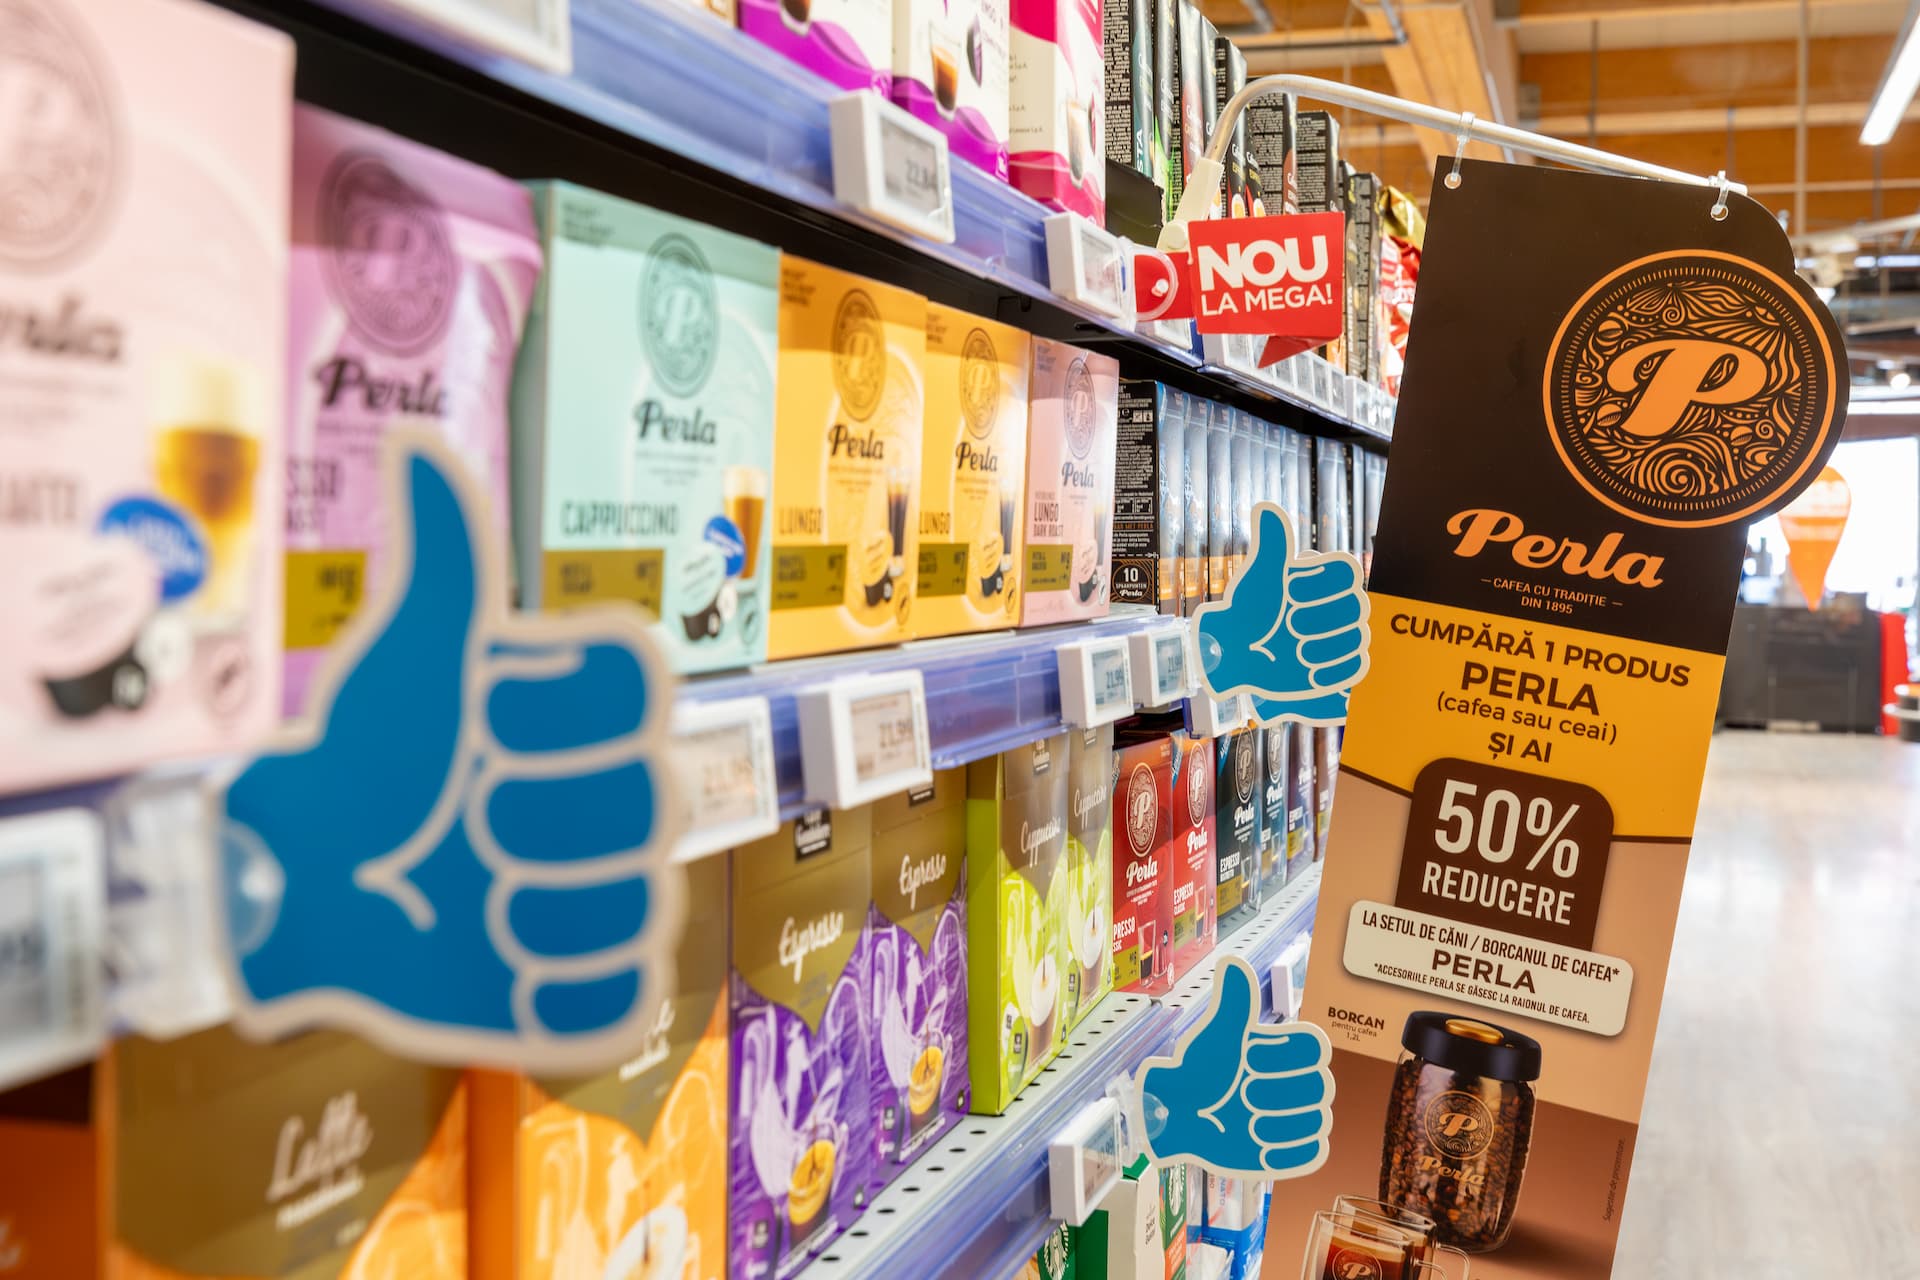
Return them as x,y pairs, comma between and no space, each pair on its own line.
1284,276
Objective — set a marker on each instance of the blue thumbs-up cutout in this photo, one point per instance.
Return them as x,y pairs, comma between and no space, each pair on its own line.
1243,1098
462,853
1292,631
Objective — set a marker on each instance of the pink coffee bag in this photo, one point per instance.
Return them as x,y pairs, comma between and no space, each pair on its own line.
411,275
143,215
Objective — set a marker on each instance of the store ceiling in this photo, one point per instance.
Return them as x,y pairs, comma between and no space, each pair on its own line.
1699,85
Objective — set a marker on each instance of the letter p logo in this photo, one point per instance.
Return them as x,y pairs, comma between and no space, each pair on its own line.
1681,372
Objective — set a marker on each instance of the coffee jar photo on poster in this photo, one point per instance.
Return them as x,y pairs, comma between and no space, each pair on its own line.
1459,1123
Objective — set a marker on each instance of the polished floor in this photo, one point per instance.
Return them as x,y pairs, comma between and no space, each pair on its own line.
1781,1136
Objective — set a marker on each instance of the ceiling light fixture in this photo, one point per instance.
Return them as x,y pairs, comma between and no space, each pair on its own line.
1897,84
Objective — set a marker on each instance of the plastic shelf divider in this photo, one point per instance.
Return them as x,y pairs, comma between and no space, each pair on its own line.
985,693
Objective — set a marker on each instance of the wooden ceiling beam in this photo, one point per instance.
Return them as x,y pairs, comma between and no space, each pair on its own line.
1736,74
1537,12
1299,17
1840,188
1765,156
1707,120
1364,75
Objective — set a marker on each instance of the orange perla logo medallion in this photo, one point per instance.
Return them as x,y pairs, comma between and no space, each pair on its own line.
1350,1264
1459,1124
1143,809
1690,388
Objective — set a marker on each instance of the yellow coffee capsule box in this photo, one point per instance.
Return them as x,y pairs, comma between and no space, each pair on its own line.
973,472
846,454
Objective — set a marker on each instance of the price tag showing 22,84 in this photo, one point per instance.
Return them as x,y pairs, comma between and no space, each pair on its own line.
725,758
914,171
890,165
864,737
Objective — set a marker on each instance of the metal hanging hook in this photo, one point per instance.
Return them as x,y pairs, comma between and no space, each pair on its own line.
1460,141
1719,211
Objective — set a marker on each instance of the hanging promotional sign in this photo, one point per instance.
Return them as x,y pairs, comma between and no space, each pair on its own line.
462,854
1814,523
1281,276
1604,385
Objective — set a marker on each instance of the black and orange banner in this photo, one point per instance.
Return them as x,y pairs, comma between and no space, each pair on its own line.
1604,385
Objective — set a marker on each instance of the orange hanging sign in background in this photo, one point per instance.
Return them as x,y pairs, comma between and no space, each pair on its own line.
1813,523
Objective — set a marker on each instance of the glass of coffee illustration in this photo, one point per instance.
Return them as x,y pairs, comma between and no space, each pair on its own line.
797,14
1453,1261
204,460
1078,141
1009,505
1043,1001
656,1248
745,493
1089,586
928,1073
898,489
1350,1246
1090,949
810,1186
1459,1124
944,52
1418,1223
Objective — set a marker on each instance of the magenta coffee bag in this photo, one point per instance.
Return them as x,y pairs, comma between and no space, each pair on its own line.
411,274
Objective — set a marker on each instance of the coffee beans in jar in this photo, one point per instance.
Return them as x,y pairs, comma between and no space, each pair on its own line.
1459,1122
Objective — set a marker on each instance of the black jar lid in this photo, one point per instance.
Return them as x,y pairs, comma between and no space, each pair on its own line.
1471,1047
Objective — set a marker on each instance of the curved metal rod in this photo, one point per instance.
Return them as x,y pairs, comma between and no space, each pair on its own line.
1197,199
1449,122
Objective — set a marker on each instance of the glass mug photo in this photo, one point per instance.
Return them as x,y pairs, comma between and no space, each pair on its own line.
943,51
923,1084
1348,1243
812,1181
1429,1253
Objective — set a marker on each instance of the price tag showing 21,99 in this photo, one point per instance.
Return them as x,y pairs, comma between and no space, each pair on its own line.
864,737
1161,674
725,756
886,735
1096,681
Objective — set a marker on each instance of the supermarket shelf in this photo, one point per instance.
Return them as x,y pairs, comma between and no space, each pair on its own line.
978,1207
668,77
985,693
